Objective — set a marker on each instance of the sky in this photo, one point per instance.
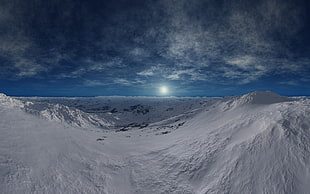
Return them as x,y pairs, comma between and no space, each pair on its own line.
136,47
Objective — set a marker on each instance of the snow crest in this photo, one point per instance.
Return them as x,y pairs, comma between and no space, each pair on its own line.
259,97
58,113
65,114
9,102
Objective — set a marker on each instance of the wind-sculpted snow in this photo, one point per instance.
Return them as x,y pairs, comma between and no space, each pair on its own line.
7,101
64,114
257,98
58,113
220,146
262,98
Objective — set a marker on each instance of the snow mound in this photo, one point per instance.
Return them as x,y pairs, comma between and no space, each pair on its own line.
254,98
259,97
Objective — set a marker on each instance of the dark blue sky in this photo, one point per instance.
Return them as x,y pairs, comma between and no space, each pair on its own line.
132,47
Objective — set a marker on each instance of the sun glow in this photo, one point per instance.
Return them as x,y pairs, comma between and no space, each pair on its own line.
163,90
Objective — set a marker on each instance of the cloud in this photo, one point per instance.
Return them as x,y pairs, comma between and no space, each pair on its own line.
148,72
28,68
15,62
176,72
235,28
242,69
246,68
185,38
88,66
188,74
243,62
291,83
112,81
128,82
122,81
93,83
139,52
153,70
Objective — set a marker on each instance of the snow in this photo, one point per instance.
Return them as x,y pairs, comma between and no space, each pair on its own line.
259,97
126,110
256,143
67,115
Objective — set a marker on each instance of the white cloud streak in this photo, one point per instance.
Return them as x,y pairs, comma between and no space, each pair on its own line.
127,82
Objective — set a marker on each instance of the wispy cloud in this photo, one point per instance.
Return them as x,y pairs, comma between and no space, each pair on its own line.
128,82
90,66
154,70
245,69
290,83
93,83
188,74
28,68
138,52
243,62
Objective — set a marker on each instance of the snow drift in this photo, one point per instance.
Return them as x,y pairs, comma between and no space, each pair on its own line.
256,143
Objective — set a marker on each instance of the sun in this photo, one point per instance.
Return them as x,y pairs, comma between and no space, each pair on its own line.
163,90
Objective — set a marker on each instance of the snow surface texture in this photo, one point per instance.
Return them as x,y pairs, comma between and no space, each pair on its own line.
58,113
68,115
256,143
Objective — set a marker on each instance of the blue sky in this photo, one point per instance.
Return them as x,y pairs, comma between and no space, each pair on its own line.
132,48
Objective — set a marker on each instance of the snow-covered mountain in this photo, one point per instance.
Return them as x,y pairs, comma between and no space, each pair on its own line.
256,143
126,111
69,115
58,113
259,97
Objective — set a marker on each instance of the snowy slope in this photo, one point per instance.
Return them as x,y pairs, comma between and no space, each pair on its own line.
128,110
59,113
256,143
248,149
41,156
64,114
